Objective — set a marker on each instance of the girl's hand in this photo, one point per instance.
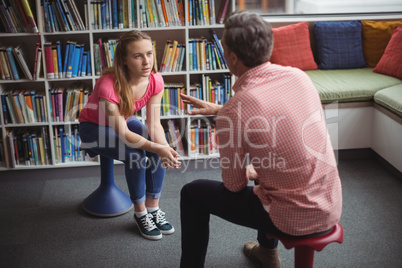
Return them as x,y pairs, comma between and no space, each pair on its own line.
204,107
168,157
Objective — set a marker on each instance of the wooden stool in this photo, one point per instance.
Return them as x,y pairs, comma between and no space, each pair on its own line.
107,200
305,247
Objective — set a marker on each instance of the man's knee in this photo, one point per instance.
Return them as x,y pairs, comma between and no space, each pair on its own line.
190,188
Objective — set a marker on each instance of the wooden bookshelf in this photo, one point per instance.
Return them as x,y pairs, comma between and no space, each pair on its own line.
43,86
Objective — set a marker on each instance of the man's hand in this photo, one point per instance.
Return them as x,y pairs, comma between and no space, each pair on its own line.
251,173
204,107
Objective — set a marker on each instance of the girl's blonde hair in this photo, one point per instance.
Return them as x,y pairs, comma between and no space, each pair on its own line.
120,71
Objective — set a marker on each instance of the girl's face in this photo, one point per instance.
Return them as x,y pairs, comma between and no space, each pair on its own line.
140,58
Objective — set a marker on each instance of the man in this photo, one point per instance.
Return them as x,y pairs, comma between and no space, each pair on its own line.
274,123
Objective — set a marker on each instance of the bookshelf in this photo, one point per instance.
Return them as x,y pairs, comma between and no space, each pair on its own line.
46,129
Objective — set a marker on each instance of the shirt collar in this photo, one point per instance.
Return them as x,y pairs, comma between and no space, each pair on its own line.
248,75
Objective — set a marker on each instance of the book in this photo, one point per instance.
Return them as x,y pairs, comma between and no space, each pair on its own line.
217,44
13,64
55,61
29,107
222,11
3,61
4,108
22,63
70,59
31,18
79,67
75,14
49,60
38,62
84,64
59,59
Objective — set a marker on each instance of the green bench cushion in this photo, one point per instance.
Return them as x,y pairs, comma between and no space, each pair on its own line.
391,99
347,85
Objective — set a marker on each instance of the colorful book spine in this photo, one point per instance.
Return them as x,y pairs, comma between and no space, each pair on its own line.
30,15
49,60
12,63
22,63
70,60
55,62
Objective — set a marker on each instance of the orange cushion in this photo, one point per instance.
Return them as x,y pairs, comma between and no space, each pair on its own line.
292,47
375,37
391,62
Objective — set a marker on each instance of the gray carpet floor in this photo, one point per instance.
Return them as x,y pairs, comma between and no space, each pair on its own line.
42,223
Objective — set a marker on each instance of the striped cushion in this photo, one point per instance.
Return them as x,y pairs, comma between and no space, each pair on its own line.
339,44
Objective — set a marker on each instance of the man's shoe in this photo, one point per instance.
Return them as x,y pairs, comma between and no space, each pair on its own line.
268,257
147,227
160,221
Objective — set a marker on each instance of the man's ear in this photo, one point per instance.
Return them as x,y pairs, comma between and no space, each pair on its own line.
233,57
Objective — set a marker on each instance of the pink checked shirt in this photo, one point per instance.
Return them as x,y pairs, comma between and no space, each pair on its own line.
276,117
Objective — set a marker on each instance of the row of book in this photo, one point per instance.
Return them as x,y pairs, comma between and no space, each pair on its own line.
31,146
66,104
71,62
67,144
161,13
203,139
61,15
171,101
202,12
206,54
112,14
104,54
27,146
13,65
29,106
212,91
174,137
173,57
24,106
16,16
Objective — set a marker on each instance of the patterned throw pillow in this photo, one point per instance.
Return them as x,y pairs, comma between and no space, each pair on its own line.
292,47
391,61
339,44
375,37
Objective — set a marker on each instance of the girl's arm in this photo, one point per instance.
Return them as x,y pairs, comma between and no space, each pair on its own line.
154,126
131,139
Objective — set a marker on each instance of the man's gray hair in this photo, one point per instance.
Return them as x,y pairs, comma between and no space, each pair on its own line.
250,37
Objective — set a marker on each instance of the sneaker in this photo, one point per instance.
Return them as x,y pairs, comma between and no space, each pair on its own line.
163,225
147,227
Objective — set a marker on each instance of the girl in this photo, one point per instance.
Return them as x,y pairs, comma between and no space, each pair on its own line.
108,127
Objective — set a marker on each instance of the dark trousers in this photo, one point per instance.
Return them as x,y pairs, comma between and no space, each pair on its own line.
201,198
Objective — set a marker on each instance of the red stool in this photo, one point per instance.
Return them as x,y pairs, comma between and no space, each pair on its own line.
305,247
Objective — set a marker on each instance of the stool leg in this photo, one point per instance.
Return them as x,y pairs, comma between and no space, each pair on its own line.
107,200
304,257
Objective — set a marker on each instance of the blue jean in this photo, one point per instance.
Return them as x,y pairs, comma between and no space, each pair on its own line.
143,170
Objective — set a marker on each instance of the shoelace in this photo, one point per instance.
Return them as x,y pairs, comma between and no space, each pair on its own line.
160,217
148,223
